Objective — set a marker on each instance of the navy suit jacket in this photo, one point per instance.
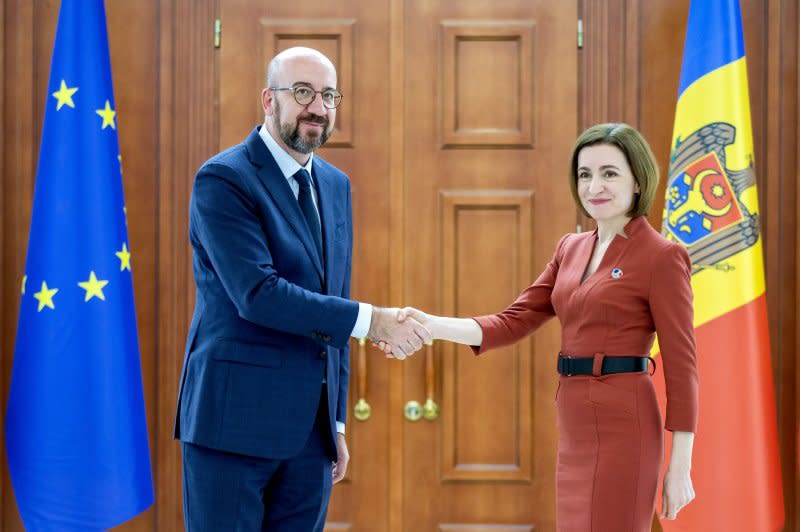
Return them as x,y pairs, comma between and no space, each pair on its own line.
271,317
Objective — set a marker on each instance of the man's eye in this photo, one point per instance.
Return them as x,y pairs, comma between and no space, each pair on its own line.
302,92
583,175
329,95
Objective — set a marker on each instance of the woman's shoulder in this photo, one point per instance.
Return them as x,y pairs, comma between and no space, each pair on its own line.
571,241
652,240
661,252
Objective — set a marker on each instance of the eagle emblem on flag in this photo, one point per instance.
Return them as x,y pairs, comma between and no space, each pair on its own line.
703,210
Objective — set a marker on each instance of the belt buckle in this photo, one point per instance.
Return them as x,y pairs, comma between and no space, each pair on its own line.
568,366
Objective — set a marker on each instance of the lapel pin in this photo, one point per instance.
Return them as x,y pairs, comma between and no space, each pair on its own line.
616,273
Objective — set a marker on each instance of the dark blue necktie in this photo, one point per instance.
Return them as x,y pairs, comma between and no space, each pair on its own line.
306,201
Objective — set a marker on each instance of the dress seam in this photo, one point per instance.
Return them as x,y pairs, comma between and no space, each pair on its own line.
638,457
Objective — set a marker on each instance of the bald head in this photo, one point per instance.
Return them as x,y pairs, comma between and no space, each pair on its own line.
283,64
300,128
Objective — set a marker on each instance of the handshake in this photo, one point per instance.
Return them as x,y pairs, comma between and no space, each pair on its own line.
399,332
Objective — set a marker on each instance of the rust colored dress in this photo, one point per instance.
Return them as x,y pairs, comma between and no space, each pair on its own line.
611,445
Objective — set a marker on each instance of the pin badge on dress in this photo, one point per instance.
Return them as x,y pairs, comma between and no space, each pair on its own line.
616,273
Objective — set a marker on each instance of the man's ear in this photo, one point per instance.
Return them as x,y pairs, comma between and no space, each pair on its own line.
266,100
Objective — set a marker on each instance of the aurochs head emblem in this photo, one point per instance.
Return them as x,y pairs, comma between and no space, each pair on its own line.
702,210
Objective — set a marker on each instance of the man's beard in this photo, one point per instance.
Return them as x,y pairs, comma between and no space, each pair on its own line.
290,133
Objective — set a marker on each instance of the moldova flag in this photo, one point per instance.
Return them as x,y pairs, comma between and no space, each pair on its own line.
76,434
712,208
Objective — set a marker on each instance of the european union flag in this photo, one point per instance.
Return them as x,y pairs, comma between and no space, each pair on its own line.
76,434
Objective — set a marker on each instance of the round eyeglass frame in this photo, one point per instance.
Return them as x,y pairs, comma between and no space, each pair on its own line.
337,96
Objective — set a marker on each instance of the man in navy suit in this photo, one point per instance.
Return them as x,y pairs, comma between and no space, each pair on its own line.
263,392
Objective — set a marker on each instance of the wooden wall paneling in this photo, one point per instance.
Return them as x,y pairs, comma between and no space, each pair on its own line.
609,67
5,269
20,143
776,170
187,132
397,268
2,238
663,30
609,62
135,76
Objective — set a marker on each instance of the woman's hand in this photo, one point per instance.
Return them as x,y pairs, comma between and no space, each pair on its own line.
678,492
411,312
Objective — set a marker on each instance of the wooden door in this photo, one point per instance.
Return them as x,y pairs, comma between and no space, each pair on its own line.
490,119
455,130
352,34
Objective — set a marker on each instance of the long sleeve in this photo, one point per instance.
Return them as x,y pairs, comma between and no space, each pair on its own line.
531,309
673,314
225,224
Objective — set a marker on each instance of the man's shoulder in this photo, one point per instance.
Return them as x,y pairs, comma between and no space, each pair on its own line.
323,167
234,157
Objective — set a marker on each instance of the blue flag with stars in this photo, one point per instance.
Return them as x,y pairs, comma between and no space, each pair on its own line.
76,434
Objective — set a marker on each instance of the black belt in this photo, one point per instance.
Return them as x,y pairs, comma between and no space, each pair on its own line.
568,365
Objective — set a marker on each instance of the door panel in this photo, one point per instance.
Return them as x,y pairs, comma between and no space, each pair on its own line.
487,109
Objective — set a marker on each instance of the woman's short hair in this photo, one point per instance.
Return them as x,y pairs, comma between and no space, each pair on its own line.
638,154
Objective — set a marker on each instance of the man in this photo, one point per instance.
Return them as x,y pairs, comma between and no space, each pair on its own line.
263,395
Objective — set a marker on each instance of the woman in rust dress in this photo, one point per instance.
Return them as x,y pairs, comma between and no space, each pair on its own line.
612,290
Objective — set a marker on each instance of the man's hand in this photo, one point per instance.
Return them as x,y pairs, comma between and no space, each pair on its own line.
343,457
401,338
402,315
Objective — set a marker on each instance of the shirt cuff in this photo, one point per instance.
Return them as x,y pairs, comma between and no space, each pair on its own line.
340,427
363,321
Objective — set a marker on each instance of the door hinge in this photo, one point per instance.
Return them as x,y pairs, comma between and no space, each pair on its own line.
217,33
580,33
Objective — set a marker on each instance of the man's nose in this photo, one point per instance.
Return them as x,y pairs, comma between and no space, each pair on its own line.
316,105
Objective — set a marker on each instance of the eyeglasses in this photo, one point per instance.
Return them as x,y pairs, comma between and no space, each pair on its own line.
303,95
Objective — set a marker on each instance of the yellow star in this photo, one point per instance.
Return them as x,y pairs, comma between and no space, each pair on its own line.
124,258
24,282
108,116
45,297
93,287
64,96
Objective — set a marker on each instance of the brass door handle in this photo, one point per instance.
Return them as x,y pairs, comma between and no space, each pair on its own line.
362,410
412,411
430,410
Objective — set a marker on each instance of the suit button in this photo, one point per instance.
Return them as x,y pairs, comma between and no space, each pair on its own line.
323,355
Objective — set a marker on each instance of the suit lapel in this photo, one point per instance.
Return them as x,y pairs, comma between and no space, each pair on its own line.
271,176
325,203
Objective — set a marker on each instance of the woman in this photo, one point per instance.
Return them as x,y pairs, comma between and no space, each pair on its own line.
612,289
